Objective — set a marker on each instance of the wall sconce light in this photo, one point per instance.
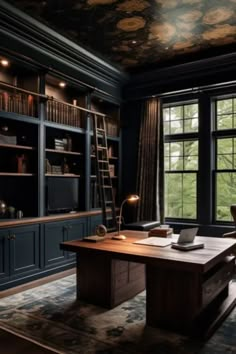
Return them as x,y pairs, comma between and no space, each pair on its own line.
4,62
131,199
62,84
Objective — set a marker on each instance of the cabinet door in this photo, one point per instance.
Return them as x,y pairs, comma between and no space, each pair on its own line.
54,234
24,249
76,230
4,254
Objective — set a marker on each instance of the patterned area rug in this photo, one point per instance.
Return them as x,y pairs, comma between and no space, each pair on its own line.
50,315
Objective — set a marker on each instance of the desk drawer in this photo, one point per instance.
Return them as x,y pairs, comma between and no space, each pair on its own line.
217,282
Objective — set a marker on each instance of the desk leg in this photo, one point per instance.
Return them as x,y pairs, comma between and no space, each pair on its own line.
94,278
173,298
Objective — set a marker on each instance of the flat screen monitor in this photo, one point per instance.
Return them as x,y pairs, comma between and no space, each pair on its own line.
62,195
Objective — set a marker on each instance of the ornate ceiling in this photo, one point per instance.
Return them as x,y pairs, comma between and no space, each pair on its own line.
142,34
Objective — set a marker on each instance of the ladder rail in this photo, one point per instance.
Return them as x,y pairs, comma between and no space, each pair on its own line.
103,173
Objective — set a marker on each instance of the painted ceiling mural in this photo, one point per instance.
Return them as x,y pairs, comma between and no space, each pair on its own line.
138,34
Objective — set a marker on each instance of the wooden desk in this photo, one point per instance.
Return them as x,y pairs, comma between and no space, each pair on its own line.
185,290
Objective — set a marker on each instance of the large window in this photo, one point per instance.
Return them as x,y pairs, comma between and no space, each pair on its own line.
225,181
181,160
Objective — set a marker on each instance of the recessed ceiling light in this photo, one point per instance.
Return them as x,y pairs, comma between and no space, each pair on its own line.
134,42
4,62
62,84
166,48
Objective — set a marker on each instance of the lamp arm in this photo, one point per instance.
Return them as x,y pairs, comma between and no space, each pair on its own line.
120,215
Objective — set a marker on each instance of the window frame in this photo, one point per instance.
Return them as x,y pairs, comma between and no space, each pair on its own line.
220,134
182,137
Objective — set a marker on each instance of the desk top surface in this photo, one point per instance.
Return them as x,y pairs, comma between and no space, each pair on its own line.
201,260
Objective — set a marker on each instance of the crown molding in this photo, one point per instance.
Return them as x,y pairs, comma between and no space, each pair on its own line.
52,51
211,71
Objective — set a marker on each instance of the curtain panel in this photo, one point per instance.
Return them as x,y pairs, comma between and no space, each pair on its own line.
150,172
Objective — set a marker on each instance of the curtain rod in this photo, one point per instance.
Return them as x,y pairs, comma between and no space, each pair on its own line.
197,89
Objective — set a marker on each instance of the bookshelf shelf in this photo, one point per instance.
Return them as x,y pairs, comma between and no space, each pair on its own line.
15,174
21,147
66,175
64,152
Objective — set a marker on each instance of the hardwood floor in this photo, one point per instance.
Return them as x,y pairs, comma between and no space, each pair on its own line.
13,344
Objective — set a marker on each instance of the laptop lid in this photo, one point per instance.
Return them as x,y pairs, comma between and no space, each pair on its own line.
187,235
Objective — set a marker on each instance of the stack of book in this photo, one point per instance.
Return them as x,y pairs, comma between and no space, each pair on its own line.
161,232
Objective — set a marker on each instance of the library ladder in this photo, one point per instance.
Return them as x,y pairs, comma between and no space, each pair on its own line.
106,193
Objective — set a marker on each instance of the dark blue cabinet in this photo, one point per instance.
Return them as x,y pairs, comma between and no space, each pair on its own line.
19,252
57,232
54,234
76,230
4,254
24,249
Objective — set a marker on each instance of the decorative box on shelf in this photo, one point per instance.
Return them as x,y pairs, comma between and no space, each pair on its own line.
112,170
161,232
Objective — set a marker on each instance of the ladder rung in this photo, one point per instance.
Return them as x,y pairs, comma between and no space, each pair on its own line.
104,170
102,148
109,201
103,161
107,186
100,130
109,219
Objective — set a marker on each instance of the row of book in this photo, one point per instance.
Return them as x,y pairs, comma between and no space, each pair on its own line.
20,103
63,114
111,125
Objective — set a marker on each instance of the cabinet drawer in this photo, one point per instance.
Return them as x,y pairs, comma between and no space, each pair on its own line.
121,280
218,281
121,266
137,272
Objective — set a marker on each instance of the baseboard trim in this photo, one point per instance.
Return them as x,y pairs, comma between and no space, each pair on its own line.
35,283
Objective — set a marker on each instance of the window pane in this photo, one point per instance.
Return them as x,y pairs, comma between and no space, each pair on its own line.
176,163
166,114
225,162
225,146
224,106
191,163
180,195
191,147
191,155
166,128
173,195
190,125
167,163
167,149
191,110
176,127
234,104
176,113
176,148
225,194
225,150
225,122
